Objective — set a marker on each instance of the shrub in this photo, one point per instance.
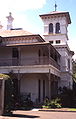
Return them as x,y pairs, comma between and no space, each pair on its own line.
66,97
9,97
25,103
55,103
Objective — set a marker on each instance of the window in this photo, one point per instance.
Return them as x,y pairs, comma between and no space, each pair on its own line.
57,30
57,41
51,42
50,28
15,53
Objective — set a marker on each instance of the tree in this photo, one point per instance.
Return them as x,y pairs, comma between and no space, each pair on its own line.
74,71
4,76
74,78
8,93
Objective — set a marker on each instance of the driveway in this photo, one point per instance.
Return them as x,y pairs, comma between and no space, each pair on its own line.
41,115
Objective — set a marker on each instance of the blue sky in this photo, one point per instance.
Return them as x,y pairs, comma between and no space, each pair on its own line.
26,15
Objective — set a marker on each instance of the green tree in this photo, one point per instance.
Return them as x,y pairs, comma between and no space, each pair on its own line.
4,76
74,71
74,82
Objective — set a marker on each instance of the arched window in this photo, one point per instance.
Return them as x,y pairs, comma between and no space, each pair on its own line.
57,30
50,28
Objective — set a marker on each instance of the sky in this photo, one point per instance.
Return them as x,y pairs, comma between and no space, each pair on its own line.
26,15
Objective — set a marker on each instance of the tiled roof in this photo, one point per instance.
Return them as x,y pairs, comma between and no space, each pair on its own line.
9,33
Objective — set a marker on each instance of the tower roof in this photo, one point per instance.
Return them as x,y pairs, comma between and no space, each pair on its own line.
57,13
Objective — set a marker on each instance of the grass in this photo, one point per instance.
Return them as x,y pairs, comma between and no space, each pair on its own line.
62,109
72,109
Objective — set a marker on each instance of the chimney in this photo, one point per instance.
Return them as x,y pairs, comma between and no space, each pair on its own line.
9,21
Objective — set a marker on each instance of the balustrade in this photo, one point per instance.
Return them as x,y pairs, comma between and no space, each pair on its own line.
28,61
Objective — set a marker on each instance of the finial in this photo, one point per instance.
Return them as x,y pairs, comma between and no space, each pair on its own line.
55,6
9,21
0,25
10,13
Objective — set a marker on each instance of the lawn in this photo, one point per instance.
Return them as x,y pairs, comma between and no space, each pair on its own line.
72,109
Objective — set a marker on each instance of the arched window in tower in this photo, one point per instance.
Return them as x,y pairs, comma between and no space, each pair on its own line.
57,30
50,28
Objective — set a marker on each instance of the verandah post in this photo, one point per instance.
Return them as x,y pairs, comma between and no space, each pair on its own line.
49,85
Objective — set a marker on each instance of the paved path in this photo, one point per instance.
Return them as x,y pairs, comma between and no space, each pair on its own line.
41,115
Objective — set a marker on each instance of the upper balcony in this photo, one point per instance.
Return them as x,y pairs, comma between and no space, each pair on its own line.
29,61
28,54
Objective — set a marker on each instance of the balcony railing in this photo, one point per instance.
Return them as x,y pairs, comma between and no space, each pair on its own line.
29,61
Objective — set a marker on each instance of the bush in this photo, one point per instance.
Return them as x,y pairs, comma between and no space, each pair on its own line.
25,103
66,97
55,103
9,97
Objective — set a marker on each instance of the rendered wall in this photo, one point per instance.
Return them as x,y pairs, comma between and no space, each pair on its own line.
29,84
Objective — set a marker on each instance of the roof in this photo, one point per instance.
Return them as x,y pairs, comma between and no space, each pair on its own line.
58,13
10,33
37,36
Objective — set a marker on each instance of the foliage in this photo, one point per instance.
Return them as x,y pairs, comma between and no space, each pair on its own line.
74,66
54,103
74,71
66,97
9,96
74,77
4,76
25,102
72,109
7,93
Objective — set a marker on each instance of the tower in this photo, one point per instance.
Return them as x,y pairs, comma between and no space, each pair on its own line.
9,21
55,31
55,27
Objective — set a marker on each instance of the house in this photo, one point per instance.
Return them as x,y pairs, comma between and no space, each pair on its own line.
40,66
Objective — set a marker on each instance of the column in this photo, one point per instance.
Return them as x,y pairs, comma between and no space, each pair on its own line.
49,85
19,85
